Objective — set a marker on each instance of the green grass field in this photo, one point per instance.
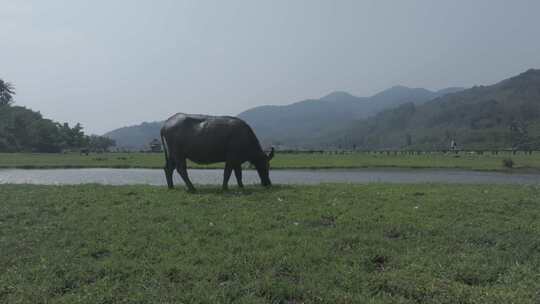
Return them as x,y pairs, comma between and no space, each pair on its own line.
281,161
289,244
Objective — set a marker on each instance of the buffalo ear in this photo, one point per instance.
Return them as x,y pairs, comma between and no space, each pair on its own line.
271,155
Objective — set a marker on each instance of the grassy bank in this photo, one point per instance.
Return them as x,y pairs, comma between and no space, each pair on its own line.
326,244
282,161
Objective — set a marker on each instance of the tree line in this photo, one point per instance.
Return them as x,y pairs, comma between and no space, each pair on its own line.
24,130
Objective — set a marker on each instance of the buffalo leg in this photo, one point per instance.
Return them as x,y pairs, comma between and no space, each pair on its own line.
226,175
238,174
182,170
169,170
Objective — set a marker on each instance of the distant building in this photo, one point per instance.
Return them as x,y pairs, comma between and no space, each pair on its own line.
155,145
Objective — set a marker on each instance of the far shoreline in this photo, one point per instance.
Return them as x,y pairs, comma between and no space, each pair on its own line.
519,170
505,162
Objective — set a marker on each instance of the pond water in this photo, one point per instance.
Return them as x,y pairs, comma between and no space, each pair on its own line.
214,177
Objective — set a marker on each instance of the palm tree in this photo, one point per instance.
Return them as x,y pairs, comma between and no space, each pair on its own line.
6,93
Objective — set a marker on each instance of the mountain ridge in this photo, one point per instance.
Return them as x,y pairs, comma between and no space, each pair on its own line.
344,107
293,124
504,115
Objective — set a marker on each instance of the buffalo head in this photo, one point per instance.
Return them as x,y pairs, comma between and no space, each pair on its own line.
262,164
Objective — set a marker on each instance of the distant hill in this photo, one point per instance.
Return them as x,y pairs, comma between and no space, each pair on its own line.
296,124
135,137
503,115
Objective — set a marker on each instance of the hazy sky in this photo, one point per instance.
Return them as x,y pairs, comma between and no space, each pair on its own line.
113,63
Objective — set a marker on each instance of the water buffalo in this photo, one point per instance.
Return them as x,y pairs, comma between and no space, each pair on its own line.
207,139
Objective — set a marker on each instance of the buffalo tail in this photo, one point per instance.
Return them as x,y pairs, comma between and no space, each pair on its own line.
165,149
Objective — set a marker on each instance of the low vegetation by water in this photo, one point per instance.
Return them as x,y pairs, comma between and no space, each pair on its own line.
463,160
300,244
